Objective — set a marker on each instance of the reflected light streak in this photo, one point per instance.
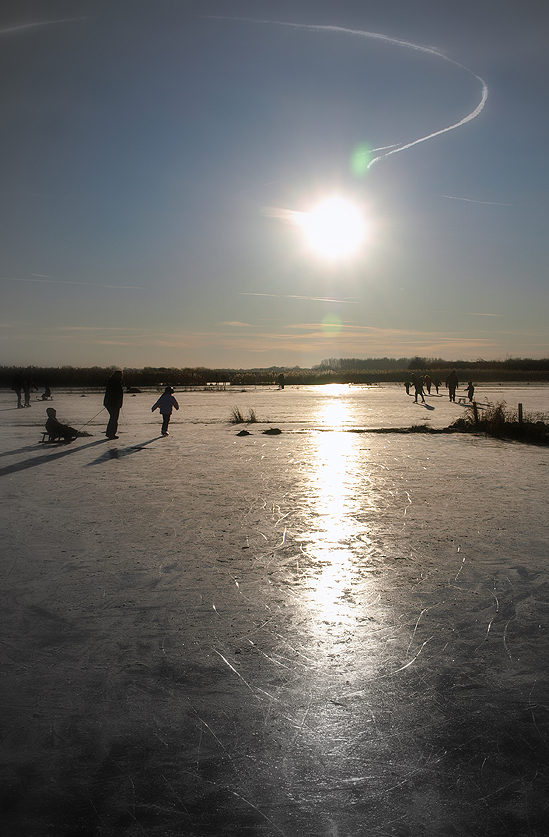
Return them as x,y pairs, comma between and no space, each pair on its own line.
330,539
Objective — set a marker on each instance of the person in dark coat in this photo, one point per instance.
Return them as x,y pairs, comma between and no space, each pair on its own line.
417,381
452,384
114,395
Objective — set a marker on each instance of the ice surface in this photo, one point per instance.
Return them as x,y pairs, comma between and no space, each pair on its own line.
321,632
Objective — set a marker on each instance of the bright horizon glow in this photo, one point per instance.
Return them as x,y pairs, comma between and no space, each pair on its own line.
335,228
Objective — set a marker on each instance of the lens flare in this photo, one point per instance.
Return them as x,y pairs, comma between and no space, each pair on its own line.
331,324
360,159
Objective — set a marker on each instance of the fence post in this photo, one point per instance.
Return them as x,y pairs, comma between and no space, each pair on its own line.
520,413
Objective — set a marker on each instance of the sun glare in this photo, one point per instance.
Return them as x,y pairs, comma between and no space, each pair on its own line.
335,228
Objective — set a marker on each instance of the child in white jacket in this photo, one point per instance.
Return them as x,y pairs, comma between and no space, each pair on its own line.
165,403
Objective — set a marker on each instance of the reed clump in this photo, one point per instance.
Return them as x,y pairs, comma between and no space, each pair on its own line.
496,420
238,417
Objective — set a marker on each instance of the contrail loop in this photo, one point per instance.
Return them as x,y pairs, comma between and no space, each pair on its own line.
397,42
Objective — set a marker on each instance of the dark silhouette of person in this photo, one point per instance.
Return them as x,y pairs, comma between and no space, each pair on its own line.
114,396
452,384
427,381
417,381
407,386
165,404
46,395
17,387
57,430
281,381
470,390
436,382
28,385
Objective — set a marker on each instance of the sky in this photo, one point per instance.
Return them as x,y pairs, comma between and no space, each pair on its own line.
163,162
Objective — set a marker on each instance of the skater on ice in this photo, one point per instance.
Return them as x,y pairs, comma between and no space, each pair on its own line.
165,404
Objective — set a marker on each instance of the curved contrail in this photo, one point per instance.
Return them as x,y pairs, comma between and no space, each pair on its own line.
396,42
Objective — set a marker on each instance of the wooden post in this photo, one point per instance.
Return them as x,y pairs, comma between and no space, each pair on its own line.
475,413
520,413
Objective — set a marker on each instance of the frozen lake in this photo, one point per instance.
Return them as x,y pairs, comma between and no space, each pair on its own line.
296,634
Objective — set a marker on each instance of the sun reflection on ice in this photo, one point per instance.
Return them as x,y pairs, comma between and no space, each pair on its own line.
330,540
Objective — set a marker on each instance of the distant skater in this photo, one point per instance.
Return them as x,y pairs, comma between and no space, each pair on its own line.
46,395
114,395
281,381
418,387
56,429
436,382
427,381
452,384
28,385
165,404
407,386
470,390
17,387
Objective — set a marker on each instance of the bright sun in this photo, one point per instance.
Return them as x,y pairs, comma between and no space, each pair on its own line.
335,228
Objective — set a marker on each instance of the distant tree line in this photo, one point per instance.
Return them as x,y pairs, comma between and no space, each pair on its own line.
354,364
509,364
333,370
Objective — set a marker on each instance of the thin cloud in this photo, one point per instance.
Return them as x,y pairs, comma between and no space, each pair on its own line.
295,296
99,328
291,216
10,30
484,314
471,200
43,278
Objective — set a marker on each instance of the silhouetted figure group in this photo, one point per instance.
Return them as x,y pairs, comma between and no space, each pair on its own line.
420,384
425,382
23,385
112,401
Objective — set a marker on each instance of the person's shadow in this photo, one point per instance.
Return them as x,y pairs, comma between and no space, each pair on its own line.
113,453
46,457
27,449
118,453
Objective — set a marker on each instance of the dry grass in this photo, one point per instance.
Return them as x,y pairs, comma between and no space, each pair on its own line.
496,420
237,417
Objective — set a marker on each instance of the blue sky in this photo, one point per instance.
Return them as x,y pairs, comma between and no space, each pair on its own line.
152,153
